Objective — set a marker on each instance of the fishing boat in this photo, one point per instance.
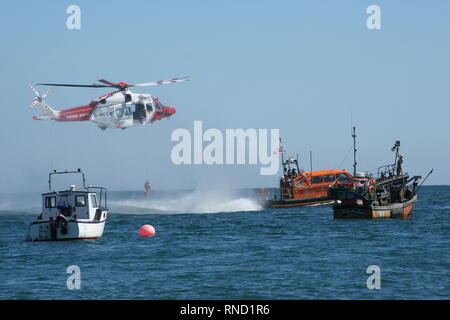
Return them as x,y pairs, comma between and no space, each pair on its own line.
388,192
72,214
300,188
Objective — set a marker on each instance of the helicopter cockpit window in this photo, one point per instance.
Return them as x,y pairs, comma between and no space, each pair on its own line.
149,106
127,111
158,105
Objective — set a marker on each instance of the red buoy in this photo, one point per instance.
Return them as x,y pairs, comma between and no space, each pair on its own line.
147,231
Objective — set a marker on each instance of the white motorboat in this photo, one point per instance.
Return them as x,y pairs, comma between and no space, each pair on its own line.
70,214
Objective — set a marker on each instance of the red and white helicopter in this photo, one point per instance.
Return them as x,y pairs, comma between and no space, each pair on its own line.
119,109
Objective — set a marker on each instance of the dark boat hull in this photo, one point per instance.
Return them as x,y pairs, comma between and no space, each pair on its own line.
395,210
298,202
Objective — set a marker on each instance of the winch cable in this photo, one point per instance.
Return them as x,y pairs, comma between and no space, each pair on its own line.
346,156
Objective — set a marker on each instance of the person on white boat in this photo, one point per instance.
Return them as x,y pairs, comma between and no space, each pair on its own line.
61,220
52,228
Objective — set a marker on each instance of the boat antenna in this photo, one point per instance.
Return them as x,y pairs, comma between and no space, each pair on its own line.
354,151
310,164
423,181
281,150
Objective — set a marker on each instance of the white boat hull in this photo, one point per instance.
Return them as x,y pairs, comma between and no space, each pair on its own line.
75,230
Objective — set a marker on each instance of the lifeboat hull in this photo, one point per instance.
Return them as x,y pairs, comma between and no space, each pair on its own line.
395,211
298,202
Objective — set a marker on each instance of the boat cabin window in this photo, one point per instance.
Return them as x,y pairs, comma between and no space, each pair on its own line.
94,201
50,202
328,178
341,176
80,201
317,179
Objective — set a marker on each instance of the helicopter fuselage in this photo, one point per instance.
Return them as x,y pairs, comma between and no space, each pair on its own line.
119,109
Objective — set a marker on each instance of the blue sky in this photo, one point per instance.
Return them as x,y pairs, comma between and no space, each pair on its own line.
304,67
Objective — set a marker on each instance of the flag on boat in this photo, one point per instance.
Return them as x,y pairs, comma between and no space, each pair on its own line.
278,151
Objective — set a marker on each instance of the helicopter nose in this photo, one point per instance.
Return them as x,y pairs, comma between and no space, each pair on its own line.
169,111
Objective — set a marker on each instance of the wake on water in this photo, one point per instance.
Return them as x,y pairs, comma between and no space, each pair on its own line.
133,202
198,201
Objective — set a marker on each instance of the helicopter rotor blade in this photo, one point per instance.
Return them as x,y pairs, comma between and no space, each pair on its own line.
155,83
33,103
74,85
34,90
120,85
46,93
112,84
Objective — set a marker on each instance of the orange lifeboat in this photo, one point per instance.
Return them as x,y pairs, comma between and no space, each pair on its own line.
307,188
300,188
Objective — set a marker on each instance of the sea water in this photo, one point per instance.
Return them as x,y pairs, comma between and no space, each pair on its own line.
216,244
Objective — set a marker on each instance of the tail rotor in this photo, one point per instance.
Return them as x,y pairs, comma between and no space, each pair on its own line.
38,99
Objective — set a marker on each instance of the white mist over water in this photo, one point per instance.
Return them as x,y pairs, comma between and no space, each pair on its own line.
201,200
20,203
197,201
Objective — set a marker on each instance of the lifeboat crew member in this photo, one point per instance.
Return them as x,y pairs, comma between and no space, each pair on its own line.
284,184
294,173
288,185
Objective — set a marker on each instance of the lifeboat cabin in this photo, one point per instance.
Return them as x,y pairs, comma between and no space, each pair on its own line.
70,214
300,188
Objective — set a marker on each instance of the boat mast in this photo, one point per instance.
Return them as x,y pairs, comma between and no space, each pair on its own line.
397,149
354,151
281,150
